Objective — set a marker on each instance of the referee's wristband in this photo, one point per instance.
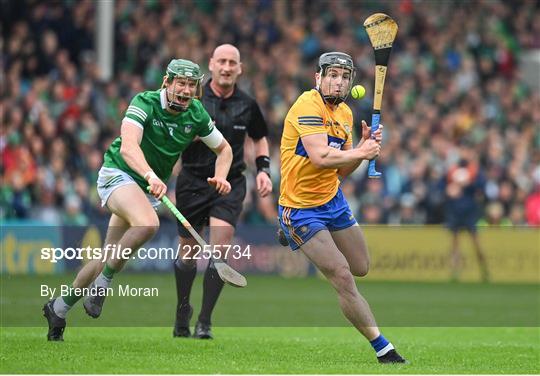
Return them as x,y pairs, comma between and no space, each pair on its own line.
263,164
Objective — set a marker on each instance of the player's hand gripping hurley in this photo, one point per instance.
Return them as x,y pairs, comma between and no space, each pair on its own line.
226,273
382,31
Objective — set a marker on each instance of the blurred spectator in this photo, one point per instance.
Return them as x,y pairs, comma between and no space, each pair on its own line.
532,205
73,214
15,198
494,215
453,79
45,209
408,213
463,183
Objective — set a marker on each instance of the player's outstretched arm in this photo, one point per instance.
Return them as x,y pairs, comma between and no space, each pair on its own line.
217,143
324,156
223,164
134,157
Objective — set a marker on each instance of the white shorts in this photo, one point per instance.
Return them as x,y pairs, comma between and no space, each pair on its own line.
110,179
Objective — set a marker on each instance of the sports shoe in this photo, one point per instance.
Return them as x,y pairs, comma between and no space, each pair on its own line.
93,304
181,325
56,324
391,356
203,331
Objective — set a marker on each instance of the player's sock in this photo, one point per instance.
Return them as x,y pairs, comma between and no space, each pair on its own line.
185,274
71,298
212,286
61,308
104,278
63,304
381,345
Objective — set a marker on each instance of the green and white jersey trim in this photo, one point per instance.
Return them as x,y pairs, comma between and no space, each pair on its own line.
140,114
137,112
134,122
163,98
214,139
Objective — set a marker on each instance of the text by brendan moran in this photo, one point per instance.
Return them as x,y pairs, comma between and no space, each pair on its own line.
120,290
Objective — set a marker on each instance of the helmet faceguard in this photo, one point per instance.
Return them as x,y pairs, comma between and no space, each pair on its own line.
336,60
182,69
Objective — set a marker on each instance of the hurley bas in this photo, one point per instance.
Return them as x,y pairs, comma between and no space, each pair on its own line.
122,290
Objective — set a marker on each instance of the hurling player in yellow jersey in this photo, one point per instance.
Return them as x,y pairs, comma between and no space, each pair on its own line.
316,149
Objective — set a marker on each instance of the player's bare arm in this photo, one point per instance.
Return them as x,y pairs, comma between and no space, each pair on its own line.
223,163
324,156
134,157
366,135
264,183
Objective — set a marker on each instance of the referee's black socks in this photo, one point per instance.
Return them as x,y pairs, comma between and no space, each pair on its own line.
185,274
212,286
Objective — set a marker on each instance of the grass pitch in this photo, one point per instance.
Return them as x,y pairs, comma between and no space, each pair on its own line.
270,350
278,326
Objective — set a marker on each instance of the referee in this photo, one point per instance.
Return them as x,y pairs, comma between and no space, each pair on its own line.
235,114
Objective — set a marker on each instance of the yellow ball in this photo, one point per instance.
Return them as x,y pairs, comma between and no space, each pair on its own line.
358,92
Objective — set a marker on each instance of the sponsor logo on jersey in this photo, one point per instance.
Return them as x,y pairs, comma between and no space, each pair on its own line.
188,128
157,123
335,145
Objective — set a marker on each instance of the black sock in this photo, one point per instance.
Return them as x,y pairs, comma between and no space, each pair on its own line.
212,286
185,274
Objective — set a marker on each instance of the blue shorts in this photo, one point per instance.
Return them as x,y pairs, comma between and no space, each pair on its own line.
299,225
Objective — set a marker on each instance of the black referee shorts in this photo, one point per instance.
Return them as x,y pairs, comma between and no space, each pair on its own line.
198,201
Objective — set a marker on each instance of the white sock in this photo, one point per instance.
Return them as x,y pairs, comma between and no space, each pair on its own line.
102,281
60,307
385,349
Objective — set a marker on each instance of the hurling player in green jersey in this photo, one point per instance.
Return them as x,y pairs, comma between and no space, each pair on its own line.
157,127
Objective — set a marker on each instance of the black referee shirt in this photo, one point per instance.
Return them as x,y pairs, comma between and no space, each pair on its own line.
234,116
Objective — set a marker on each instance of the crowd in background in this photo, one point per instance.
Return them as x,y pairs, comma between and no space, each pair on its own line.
457,110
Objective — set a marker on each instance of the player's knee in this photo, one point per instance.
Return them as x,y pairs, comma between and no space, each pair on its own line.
147,227
342,278
151,229
362,269
146,220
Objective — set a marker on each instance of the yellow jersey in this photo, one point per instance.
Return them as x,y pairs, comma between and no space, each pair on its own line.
302,184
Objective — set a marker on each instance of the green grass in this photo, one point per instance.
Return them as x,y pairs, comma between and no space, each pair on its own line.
270,350
278,325
274,301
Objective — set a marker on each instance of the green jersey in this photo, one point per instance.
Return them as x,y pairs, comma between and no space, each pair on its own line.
165,135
